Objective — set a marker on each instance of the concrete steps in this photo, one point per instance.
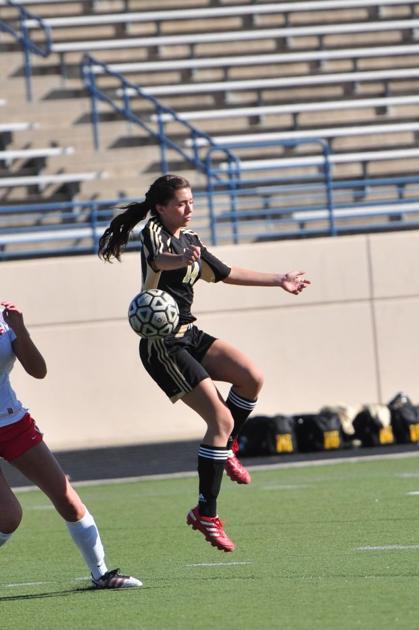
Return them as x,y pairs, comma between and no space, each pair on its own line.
127,155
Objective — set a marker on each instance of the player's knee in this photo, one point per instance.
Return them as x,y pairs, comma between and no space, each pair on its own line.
258,380
224,424
229,426
10,519
253,382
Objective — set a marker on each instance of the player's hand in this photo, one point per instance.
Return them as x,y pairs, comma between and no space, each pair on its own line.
191,254
12,315
294,282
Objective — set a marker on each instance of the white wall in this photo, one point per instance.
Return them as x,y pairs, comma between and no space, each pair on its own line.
351,337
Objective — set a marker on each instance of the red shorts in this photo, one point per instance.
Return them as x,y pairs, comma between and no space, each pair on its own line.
19,437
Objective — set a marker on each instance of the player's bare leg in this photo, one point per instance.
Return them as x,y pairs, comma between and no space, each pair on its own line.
39,465
10,511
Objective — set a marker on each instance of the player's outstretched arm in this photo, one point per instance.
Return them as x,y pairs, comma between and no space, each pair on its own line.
292,281
23,346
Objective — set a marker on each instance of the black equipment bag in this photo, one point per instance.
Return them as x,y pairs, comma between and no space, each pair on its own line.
373,426
267,435
404,419
318,432
346,415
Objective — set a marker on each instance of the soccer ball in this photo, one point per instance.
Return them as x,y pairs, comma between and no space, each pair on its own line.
153,314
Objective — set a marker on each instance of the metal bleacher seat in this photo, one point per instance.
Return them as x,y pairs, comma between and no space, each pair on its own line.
350,157
322,132
17,126
40,2
8,156
241,36
7,129
71,181
292,108
279,82
253,10
228,62
352,212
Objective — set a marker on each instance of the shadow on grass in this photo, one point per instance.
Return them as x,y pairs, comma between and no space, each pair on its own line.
66,593
73,591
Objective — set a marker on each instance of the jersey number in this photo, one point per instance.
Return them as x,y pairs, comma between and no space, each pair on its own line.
191,274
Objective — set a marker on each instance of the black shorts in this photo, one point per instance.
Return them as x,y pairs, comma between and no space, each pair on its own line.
175,361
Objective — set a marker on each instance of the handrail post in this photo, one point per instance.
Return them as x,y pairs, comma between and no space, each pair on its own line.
232,178
210,198
195,149
161,135
90,84
329,187
27,62
93,223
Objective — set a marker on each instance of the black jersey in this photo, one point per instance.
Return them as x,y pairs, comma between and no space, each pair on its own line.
155,240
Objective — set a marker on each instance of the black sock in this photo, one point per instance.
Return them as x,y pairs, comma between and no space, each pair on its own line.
211,462
240,409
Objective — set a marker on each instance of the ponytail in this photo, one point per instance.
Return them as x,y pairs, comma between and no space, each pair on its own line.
116,236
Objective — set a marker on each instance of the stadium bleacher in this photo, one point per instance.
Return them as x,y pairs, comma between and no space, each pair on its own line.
194,40
319,56
8,157
343,72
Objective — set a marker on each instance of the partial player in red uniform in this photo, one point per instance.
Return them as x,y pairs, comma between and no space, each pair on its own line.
186,363
21,444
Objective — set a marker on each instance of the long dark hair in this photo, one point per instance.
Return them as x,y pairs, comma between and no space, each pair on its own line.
116,236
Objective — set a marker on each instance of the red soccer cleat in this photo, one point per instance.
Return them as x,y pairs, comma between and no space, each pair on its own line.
212,528
234,468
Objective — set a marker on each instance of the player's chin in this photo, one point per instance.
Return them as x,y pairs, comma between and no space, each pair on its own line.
187,219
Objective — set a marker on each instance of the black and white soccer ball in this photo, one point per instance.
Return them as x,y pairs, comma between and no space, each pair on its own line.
153,314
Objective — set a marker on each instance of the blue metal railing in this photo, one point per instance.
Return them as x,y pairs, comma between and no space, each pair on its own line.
81,222
227,177
303,201
128,95
29,46
289,210
61,228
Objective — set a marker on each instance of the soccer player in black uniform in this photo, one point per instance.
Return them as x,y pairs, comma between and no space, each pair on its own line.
186,363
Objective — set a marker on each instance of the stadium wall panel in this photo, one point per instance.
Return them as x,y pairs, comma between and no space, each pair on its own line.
352,337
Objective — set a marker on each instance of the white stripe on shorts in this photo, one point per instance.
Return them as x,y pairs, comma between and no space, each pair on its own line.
171,367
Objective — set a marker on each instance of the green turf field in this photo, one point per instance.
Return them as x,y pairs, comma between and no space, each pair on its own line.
302,558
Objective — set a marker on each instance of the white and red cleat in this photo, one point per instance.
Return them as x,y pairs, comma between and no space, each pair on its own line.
234,468
113,579
212,528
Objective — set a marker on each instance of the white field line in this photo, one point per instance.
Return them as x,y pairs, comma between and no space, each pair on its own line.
18,584
186,474
23,584
286,487
413,493
217,564
386,547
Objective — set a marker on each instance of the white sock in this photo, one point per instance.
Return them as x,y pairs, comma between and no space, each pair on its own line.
87,538
4,538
